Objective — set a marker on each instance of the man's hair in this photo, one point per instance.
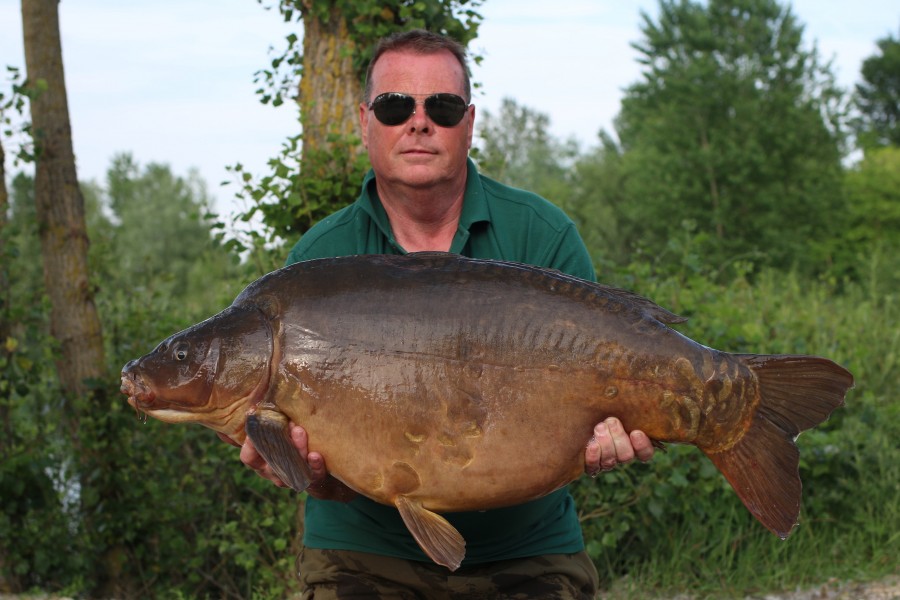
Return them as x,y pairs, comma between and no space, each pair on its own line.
419,41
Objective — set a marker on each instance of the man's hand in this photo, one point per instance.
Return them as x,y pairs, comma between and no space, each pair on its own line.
323,486
611,446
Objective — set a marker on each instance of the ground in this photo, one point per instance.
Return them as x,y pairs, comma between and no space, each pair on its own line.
884,589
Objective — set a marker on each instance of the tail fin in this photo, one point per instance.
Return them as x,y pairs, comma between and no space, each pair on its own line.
797,393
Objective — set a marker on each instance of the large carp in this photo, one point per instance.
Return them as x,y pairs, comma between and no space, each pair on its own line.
436,383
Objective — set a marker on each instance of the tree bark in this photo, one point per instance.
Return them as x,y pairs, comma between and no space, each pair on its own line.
60,205
330,89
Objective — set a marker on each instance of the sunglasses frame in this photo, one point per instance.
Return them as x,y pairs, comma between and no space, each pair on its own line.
428,103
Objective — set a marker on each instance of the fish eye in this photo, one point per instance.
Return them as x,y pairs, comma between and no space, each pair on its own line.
181,352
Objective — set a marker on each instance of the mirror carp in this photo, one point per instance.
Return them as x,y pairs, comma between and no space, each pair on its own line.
436,383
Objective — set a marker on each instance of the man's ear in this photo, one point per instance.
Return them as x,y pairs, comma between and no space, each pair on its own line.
364,123
471,125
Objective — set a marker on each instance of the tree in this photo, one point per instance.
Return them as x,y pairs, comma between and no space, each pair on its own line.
871,241
516,147
878,97
60,205
319,170
733,133
597,200
161,237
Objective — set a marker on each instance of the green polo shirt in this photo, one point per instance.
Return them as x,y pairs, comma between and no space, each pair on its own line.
497,222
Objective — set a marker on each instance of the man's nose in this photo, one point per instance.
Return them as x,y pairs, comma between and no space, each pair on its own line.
419,120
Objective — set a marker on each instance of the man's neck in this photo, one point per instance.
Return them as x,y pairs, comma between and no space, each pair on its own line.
423,219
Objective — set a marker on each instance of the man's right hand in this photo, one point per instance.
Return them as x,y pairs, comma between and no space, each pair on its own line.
322,486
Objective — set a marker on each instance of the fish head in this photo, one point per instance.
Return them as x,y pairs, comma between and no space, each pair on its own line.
211,373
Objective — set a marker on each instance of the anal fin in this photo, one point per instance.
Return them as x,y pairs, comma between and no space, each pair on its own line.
269,432
435,535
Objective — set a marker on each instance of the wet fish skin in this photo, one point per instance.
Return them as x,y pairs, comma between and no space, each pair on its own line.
437,383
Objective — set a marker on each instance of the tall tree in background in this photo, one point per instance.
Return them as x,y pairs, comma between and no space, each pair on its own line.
320,169
871,242
516,147
878,97
74,321
60,205
177,261
733,132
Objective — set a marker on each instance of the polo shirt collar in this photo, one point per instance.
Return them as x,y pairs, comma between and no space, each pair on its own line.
475,207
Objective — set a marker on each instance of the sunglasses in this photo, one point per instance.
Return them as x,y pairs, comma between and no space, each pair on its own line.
394,108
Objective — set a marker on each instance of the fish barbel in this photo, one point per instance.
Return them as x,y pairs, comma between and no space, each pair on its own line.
428,382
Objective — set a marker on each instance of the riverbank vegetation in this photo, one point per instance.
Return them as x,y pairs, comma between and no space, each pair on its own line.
727,194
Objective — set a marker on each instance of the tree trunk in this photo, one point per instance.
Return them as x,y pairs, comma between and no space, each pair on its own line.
60,205
333,157
330,90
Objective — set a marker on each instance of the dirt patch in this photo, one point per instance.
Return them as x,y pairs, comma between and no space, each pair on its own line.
884,589
887,588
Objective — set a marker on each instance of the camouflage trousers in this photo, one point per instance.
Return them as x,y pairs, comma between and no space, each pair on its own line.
346,575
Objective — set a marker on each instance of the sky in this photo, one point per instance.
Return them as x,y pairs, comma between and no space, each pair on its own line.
171,81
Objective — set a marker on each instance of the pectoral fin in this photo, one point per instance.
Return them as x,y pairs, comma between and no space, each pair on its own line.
268,429
438,538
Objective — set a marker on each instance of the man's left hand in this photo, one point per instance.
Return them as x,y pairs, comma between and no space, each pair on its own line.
611,445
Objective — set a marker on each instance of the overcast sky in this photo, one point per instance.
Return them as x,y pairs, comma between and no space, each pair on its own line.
172,80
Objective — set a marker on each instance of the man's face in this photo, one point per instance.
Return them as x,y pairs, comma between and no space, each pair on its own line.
417,153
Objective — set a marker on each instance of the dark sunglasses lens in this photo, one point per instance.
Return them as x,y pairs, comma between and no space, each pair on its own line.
393,109
446,110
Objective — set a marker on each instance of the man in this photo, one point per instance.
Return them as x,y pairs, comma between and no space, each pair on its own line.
423,193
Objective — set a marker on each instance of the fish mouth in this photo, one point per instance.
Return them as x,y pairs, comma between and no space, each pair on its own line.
140,396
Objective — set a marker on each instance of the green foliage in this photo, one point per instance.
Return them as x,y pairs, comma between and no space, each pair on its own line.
92,501
734,127
515,147
675,524
34,523
596,201
12,113
878,97
871,237
157,237
297,194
